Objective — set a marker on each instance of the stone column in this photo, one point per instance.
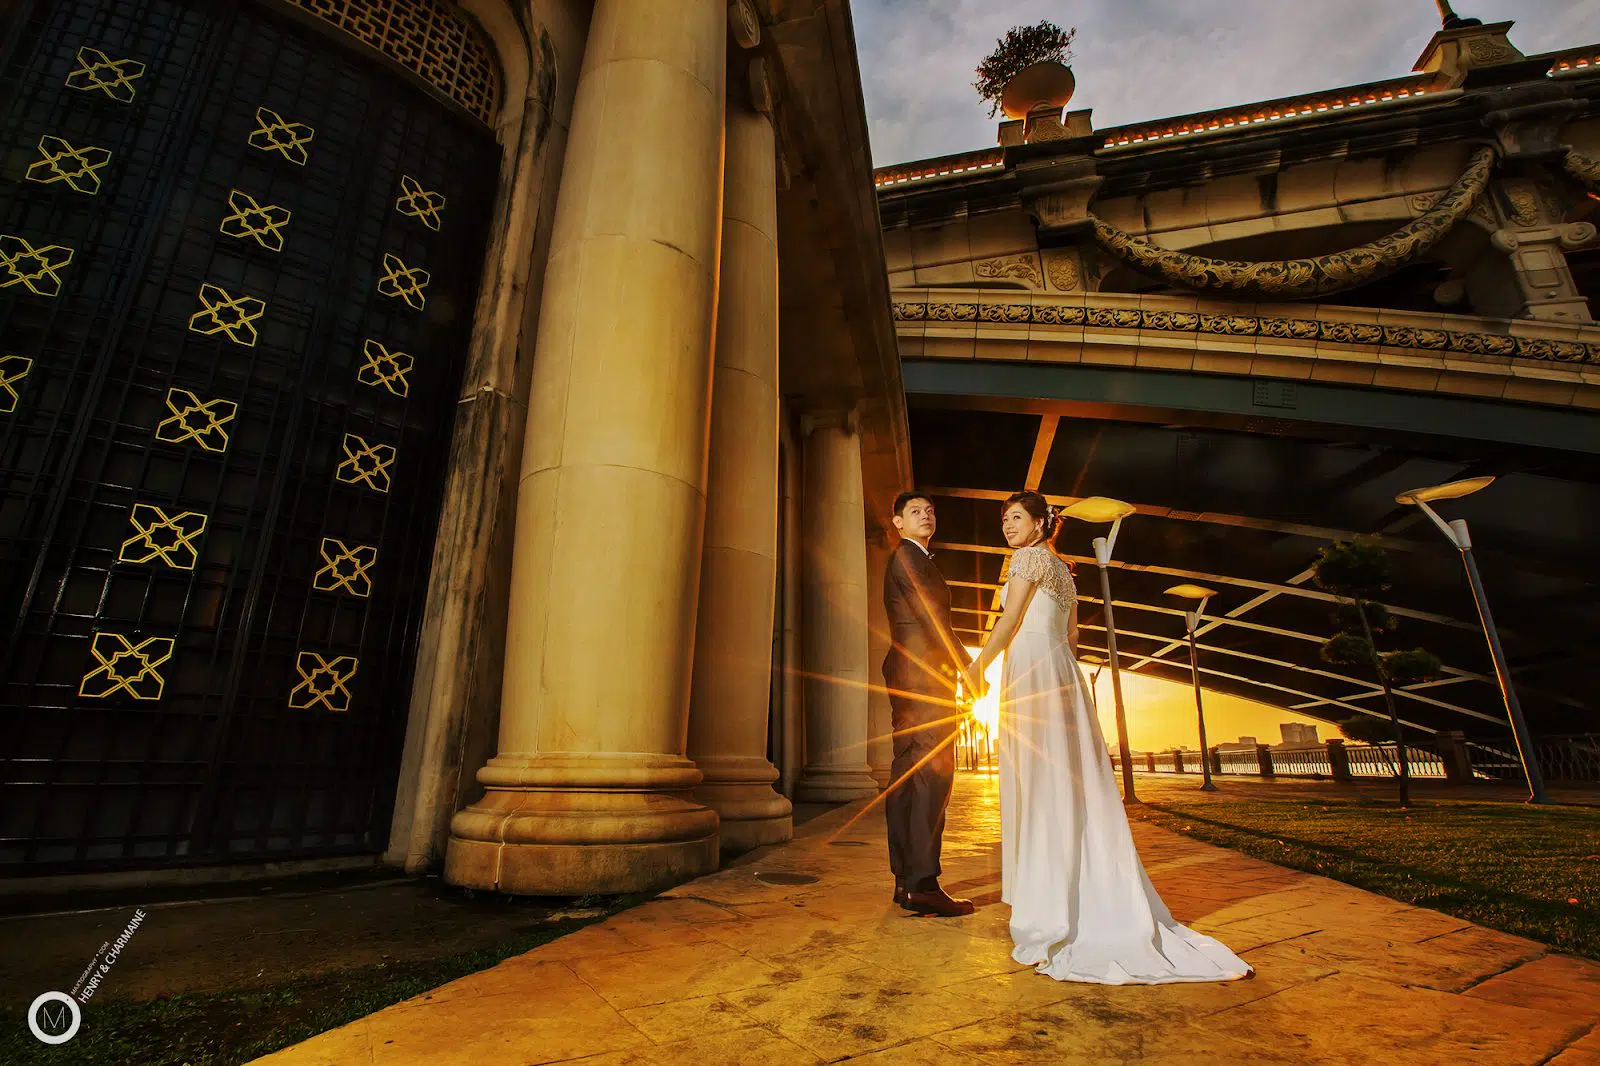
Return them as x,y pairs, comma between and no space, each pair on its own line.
880,741
733,643
834,613
791,712
1452,747
1339,761
590,791
1264,760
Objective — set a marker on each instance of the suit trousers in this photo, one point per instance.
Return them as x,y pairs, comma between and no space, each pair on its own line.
923,773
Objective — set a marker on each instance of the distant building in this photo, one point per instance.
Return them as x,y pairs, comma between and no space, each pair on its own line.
1298,735
1242,744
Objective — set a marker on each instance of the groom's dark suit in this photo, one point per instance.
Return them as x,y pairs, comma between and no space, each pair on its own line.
924,661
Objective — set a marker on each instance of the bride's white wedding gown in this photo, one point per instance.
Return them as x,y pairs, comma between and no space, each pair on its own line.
1082,907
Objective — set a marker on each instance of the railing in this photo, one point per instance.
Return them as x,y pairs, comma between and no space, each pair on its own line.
1383,760
1393,90
1302,762
1567,759
1572,759
1237,761
1267,111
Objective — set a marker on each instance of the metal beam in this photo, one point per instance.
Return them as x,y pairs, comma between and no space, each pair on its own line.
1253,683
1345,679
1228,579
1072,389
1041,451
1215,518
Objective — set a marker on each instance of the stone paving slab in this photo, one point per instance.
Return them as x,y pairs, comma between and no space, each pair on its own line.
746,967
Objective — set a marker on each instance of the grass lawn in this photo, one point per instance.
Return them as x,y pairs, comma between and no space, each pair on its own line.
1531,871
223,1028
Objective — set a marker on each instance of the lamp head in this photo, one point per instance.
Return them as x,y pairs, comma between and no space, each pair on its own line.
1450,490
1192,592
1099,509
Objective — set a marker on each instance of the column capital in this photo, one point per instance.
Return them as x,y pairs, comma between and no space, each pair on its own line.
846,419
744,24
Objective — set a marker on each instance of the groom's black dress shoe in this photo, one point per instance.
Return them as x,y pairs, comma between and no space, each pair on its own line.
938,903
900,896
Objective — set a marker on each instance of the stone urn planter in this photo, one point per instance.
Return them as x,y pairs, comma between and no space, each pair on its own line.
1047,85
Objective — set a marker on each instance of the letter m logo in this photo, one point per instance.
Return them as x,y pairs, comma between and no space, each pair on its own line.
54,1018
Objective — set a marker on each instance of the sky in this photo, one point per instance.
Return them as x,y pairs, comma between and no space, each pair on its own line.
1137,60
1161,714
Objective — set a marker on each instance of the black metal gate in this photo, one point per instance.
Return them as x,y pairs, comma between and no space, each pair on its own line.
238,262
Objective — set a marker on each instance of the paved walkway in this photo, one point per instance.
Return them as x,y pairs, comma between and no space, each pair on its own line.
798,956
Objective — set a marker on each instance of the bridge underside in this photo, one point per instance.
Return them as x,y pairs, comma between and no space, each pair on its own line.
1239,483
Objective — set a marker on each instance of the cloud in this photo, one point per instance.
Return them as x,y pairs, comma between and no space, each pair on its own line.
1145,59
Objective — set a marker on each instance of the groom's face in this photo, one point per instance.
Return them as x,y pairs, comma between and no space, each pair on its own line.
917,520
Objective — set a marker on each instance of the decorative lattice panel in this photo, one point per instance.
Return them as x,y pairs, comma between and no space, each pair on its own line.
238,260
424,36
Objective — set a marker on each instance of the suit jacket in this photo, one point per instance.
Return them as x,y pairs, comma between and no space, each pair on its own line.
924,654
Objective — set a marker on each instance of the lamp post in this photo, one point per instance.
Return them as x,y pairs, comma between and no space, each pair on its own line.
1198,595
1103,509
1456,531
1099,664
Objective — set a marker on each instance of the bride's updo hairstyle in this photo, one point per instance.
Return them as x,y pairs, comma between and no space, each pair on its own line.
1039,510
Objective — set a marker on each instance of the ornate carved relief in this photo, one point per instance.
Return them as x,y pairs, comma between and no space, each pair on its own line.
1523,205
1235,325
1486,51
1583,168
1306,277
1422,202
1063,271
1023,267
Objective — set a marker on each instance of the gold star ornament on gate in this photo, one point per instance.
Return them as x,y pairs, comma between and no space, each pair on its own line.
59,161
35,269
98,72
123,666
222,312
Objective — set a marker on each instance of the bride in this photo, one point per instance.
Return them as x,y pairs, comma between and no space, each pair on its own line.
1082,907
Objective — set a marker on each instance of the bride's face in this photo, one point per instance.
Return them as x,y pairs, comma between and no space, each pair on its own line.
1020,527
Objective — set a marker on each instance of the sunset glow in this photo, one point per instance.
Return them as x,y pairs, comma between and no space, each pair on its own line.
1161,713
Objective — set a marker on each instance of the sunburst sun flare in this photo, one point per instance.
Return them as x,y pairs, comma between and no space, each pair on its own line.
987,710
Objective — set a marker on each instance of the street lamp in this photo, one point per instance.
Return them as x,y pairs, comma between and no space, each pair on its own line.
1103,509
1198,595
1456,530
1099,664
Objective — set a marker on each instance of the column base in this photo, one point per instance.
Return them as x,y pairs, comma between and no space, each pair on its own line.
835,784
584,839
880,774
739,788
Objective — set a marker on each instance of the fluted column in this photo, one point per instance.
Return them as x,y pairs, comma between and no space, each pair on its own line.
833,645
732,688
590,791
880,742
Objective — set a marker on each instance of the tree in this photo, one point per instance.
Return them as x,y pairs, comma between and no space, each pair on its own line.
1359,571
1021,47
1366,729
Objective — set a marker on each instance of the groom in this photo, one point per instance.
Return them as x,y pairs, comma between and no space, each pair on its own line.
924,662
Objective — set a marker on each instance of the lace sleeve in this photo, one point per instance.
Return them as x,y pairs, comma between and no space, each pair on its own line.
1030,564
